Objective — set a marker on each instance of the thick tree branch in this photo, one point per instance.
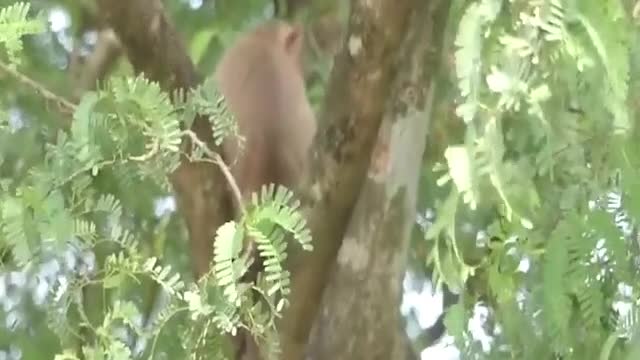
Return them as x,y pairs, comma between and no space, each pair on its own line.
154,48
98,64
87,72
359,87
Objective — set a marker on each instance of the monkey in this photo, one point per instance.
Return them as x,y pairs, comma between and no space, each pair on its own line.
261,78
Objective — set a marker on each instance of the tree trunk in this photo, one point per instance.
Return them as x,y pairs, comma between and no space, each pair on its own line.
360,312
364,73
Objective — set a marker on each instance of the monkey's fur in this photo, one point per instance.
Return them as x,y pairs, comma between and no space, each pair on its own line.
262,80
261,77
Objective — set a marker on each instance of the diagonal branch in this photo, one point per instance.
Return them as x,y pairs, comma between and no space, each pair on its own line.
65,106
154,48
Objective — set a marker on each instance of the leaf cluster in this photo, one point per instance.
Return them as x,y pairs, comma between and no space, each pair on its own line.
549,149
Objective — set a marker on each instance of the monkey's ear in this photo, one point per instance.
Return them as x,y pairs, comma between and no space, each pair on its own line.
293,39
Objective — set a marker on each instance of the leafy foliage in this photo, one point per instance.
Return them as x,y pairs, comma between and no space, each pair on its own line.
14,24
543,91
121,142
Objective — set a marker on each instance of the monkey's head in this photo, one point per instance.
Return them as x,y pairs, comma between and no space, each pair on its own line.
286,36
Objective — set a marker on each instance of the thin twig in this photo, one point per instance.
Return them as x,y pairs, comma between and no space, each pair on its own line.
64,105
217,159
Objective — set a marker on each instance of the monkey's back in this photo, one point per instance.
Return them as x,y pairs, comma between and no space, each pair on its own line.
264,90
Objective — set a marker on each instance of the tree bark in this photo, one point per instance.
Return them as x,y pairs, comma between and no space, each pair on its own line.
360,313
362,80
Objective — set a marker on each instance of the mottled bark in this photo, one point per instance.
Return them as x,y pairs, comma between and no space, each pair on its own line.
154,48
360,313
362,80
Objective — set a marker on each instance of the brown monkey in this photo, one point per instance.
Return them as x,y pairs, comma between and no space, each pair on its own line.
261,77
